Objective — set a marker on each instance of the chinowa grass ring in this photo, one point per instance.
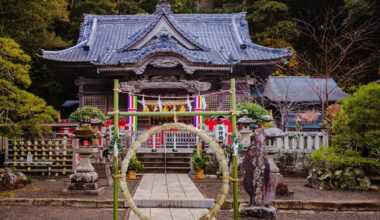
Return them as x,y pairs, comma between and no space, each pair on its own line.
182,127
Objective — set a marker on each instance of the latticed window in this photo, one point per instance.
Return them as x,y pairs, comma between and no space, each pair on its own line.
240,97
212,102
99,101
226,102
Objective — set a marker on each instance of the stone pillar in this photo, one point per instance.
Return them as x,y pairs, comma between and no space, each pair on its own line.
286,142
279,144
294,142
309,143
301,142
316,141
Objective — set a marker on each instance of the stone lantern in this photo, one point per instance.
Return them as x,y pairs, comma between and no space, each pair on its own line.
245,133
86,180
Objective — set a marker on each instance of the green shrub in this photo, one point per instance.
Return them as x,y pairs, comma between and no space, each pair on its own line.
135,164
338,158
199,161
254,111
86,113
358,123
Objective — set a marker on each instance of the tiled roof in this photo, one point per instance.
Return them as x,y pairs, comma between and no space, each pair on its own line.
220,39
301,89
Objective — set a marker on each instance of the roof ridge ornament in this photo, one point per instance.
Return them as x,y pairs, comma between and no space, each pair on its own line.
163,7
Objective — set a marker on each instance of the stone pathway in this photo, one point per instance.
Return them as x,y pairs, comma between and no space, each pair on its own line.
178,195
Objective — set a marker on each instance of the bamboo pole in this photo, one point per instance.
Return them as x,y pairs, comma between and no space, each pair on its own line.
115,160
234,157
171,114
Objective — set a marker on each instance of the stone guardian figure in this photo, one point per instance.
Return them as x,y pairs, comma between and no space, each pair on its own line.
258,180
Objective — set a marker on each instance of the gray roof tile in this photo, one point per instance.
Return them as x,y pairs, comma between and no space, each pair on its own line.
105,39
301,89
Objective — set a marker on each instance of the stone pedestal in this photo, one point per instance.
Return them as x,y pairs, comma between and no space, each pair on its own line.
85,180
259,212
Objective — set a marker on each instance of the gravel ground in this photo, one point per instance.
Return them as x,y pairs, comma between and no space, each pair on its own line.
42,188
57,213
211,187
64,213
309,215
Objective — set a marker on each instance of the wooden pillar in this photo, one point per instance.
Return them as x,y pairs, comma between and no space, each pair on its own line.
80,82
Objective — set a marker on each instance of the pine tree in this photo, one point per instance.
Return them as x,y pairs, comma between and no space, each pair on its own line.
21,112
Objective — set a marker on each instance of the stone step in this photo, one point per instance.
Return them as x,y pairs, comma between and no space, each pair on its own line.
168,170
169,159
162,155
168,164
174,203
171,213
178,162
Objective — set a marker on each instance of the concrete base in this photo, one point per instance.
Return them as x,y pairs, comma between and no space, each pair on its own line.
95,192
259,212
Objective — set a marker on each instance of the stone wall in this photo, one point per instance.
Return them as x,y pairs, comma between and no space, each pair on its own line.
293,164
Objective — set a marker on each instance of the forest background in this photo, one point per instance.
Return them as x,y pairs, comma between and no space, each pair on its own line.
318,31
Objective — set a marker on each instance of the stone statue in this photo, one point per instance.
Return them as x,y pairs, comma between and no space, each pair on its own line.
258,180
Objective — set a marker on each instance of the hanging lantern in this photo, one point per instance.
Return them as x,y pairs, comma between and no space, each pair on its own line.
146,109
182,108
165,109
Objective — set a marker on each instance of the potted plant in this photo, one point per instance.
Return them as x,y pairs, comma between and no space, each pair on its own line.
199,162
133,167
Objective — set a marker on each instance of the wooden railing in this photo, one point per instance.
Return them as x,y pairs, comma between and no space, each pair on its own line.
169,139
298,142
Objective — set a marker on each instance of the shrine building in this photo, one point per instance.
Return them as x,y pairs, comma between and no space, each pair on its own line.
164,55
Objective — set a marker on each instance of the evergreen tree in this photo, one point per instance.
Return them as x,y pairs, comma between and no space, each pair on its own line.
269,20
31,22
20,111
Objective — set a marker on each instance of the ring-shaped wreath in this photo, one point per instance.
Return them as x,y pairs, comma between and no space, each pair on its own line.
182,127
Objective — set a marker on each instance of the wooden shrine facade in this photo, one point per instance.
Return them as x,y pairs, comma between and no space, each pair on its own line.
164,54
